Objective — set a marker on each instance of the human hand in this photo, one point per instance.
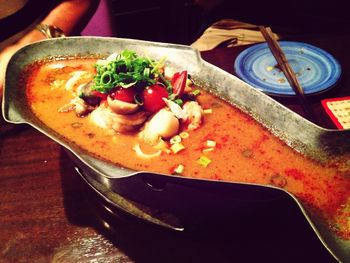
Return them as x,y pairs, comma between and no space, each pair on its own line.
7,53
5,56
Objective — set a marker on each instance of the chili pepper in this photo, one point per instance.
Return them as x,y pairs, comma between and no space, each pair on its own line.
178,82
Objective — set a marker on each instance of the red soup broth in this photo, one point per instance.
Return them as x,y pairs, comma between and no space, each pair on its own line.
245,151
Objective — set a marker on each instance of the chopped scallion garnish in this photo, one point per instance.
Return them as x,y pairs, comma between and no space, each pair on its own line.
179,169
211,143
179,102
208,111
175,139
177,147
125,70
207,150
196,92
204,161
184,135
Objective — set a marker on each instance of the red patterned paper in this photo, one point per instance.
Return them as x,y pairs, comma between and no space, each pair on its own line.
338,110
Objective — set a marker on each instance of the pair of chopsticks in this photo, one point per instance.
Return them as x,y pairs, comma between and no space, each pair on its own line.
287,70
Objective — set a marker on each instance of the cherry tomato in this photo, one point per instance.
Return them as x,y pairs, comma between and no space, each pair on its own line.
178,82
124,94
152,98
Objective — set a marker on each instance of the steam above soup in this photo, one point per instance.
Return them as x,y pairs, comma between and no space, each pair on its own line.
135,112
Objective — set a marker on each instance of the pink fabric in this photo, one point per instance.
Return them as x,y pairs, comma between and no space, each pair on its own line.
101,23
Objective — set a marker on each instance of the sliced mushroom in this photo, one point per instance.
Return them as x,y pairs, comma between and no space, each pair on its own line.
121,107
79,105
84,91
82,108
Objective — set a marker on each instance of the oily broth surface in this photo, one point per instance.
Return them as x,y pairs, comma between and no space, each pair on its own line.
245,151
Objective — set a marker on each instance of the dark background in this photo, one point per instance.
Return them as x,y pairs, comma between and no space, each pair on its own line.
174,21
182,21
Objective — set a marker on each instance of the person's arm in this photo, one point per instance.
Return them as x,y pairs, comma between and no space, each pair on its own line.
70,15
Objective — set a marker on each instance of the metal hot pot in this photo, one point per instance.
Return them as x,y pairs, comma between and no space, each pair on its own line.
171,201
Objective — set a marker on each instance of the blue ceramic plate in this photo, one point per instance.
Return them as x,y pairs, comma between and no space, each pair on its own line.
316,69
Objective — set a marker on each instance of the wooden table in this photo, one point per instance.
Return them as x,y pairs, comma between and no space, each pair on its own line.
48,214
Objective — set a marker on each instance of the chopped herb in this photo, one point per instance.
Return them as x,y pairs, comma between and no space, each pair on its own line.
177,147
208,111
204,161
175,139
207,150
211,143
184,135
196,92
179,102
172,97
125,70
189,82
179,169
146,72
167,83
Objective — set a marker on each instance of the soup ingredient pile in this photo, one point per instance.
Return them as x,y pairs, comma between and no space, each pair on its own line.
130,93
